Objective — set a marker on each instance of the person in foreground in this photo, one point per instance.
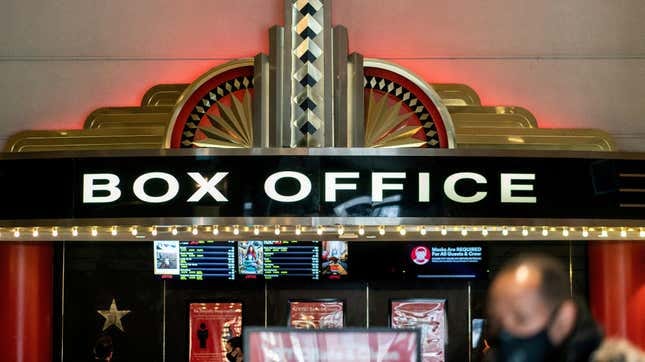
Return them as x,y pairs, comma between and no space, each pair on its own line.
533,317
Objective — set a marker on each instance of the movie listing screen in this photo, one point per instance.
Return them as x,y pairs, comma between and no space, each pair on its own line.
195,260
276,259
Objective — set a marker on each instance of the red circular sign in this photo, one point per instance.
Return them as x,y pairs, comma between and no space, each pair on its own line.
420,255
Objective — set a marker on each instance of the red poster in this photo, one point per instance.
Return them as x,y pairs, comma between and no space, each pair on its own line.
430,317
364,345
210,326
316,314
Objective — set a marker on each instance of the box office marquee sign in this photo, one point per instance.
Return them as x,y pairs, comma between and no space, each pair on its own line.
325,183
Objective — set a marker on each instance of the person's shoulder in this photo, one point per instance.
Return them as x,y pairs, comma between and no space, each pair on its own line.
617,350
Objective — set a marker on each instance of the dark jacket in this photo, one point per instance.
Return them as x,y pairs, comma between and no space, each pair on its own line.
587,336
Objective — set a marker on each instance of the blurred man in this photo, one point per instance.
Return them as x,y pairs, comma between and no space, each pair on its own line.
103,349
533,316
234,351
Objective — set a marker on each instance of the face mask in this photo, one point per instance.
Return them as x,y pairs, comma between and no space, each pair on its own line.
230,357
537,348
532,349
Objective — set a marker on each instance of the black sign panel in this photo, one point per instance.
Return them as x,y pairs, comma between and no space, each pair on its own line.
411,184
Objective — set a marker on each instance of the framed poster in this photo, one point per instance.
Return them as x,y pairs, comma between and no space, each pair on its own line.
316,313
331,345
210,326
428,315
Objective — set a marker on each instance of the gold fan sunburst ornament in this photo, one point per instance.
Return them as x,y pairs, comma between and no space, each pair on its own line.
232,127
385,125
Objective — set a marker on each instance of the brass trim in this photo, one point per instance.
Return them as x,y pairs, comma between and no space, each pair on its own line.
163,95
425,87
192,88
87,139
120,117
492,116
453,94
535,139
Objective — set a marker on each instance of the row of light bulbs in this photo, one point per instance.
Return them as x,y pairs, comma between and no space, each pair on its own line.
361,230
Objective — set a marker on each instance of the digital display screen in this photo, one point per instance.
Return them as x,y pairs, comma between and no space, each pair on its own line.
428,261
395,260
195,260
275,259
335,258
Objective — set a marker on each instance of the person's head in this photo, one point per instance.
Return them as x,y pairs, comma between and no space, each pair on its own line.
234,349
531,307
202,325
103,348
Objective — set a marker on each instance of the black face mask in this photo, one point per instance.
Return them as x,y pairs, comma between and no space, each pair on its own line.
230,357
537,348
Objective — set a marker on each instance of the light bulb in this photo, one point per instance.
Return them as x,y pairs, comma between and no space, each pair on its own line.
236,230
565,232
134,231
403,231
505,231
623,233
154,231
35,232
277,230
195,230
256,230
341,230
484,231
298,230
16,232
174,230
545,231
94,231
423,230
320,230
464,231
75,231
525,231
444,231
55,231
215,230
381,230
585,232
361,230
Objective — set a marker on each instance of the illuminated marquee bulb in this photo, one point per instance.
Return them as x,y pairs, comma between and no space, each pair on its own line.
464,231
54,231
16,232
603,233
277,230
154,231
298,230
545,231
525,231
381,230
623,233
642,233
320,230
505,231
585,232
75,231
174,230
195,230
134,231
236,230
35,232
94,231
341,230
444,231
565,231
484,231
403,231
256,230
361,230
423,230
215,230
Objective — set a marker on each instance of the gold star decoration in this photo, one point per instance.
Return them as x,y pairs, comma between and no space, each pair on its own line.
113,316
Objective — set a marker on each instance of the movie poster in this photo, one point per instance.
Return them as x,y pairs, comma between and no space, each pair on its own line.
210,326
330,345
429,315
334,259
314,314
250,256
166,257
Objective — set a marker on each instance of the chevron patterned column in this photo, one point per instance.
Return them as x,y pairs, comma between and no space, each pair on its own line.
308,44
